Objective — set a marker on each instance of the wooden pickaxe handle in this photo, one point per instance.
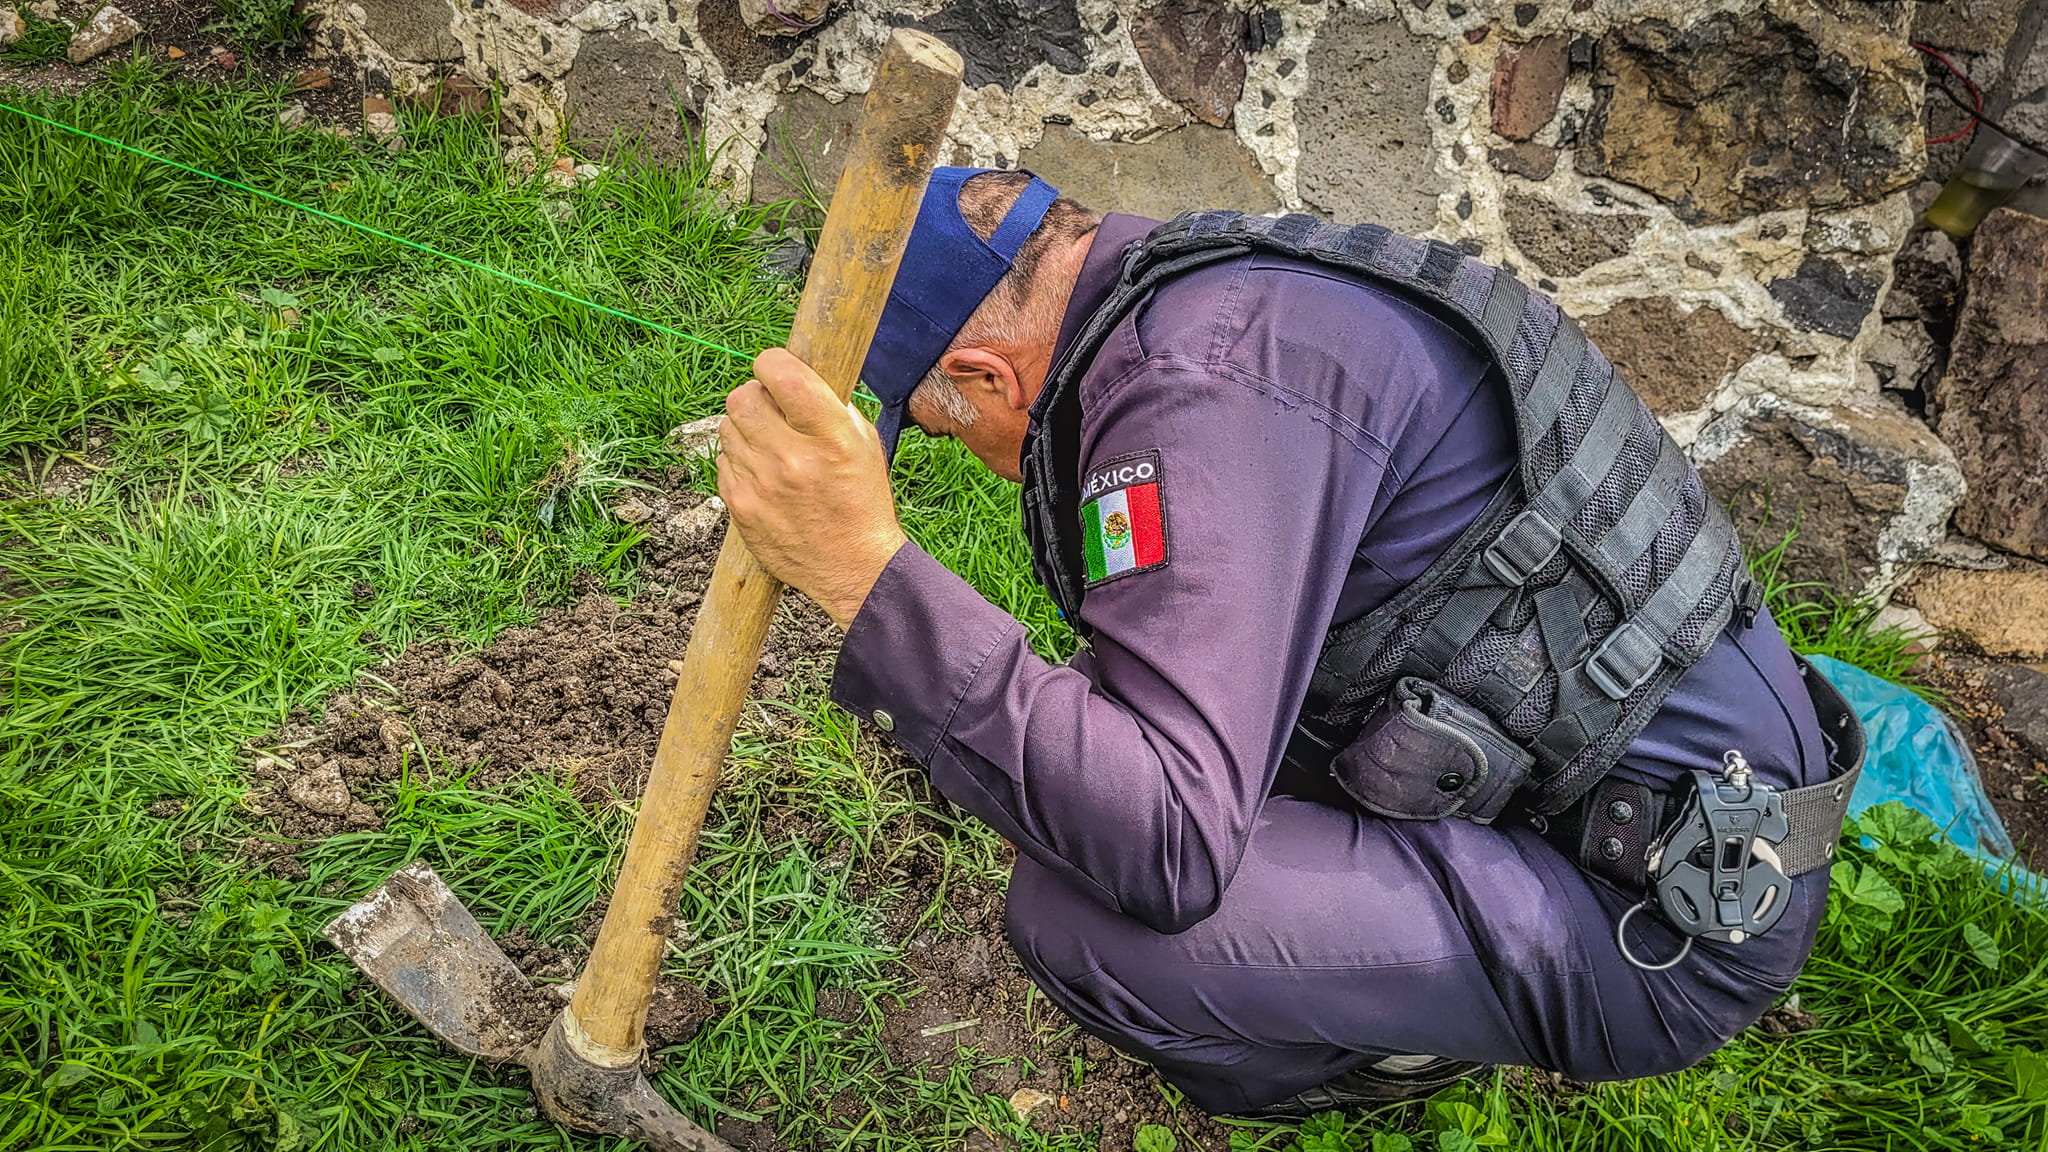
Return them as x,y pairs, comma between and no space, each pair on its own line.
902,127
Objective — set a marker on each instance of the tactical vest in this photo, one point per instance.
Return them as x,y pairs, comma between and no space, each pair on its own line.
1552,630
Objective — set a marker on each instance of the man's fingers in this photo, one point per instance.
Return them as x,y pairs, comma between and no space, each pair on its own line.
751,411
807,402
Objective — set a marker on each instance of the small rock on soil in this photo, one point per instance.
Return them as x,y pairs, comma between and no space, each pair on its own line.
109,28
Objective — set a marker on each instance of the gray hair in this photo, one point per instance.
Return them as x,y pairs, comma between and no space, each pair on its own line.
1013,315
939,392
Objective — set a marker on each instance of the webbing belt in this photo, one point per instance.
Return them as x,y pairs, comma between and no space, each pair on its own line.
1609,831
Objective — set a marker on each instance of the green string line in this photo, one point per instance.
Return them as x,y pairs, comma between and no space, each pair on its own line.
431,251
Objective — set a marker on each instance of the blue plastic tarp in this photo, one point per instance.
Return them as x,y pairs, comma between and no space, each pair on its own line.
1918,757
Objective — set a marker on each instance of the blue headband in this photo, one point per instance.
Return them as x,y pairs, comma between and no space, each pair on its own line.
947,271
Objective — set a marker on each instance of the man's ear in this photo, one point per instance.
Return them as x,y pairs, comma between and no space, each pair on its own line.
983,370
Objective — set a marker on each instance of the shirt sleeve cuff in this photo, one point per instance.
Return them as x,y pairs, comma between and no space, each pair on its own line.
914,648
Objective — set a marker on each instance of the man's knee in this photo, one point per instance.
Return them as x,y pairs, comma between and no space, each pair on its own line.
1070,947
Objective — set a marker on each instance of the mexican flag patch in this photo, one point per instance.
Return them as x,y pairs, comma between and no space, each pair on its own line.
1123,526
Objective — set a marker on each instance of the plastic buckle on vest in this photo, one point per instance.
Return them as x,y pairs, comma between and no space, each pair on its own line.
1715,872
1623,661
1522,548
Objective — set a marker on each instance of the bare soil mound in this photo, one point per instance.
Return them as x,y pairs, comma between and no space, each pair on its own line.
973,994
584,691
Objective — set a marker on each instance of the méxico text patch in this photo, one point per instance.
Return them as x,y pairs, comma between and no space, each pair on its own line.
1123,520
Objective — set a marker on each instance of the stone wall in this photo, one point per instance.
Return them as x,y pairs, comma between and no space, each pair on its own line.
1721,192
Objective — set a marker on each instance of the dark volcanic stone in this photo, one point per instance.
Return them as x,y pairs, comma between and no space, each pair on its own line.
1674,360
1267,28
1002,39
1566,243
1839,482
551,9
1773,109
623,84
2023,693
1365,136
1926,277
1194,52
1527,159
1189,166
1994,399
742,54
413,31
1823,296
808,140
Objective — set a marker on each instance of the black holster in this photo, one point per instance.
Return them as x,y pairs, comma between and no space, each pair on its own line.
1426,755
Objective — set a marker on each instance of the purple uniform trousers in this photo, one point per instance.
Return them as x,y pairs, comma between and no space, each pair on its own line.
1319,442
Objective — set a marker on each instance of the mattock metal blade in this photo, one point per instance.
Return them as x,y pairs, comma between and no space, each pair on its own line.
422,947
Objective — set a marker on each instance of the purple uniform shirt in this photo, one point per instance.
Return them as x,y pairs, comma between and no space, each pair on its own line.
1321,441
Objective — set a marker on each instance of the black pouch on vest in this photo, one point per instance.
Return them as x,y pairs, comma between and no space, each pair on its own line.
1426,755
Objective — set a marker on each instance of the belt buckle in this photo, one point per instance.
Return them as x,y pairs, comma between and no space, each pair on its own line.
1715,872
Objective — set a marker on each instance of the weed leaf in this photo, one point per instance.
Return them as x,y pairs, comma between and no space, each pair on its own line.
1924,1049
160,376
1981,945
291,1134
1897,824
1868,887
208,415
1964,1038
2030,1075
1324,1132
279,298
1154,1138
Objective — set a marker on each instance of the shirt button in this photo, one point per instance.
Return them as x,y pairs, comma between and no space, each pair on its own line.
884,721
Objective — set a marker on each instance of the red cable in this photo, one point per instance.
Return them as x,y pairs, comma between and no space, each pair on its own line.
1975,95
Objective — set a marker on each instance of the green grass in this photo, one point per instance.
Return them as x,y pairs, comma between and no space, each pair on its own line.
1819,621
286,409
41,42
261,24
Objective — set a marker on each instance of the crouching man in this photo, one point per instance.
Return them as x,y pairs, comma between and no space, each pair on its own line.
1425,718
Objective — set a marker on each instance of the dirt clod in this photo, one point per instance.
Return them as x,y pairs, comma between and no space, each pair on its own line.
1788,1019
321,790
675,1015
750,1135
516,1013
